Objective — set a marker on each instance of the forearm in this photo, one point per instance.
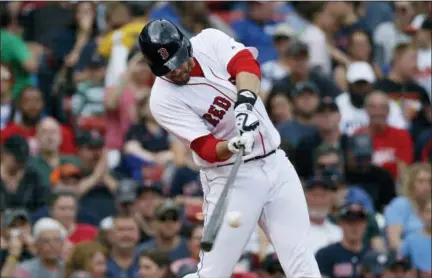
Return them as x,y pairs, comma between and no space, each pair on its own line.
248,81
111,183
9,267
114,95
222,151
86,184
133,147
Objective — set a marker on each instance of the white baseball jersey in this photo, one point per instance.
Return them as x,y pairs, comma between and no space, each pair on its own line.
205,105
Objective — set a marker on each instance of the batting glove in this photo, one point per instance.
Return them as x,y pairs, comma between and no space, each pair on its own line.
246,120
246,140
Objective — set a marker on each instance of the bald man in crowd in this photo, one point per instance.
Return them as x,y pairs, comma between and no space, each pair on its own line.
49,138
393,147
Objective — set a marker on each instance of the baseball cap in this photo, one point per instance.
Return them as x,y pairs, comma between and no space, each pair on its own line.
127,191
360,145
167,208
68,170
320,182
297,47
416,24
360,71
352,211
18,147
283,30
155,187
89,139
302,87
327,104
10,215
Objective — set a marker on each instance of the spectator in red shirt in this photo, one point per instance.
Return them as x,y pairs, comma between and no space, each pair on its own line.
64,207
393,147
30,110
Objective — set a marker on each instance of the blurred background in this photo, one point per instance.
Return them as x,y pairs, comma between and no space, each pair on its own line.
91,186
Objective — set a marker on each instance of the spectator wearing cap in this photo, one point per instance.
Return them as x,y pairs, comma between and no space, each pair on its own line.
400,83
16,54
360,79
327,121
376,181
88,101
388,34
342,259
167,235
385,264
194,241
154,263
359,50
321,22
87,256
98,185
418,246
422,38
28,115
123,261
20,185
298,61
120,101
147,148
402,214
305,98
17,240
48,137
66,176
393,155
148,198
257,28
277,69
270,267
64,209
329,166
319,197
347,22
49,237
6,105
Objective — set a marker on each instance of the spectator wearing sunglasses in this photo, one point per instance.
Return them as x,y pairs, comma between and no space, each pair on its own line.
167,235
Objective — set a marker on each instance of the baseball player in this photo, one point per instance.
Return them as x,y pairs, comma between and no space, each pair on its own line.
205,95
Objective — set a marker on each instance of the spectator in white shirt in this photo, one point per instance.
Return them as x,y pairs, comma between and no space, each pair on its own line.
360,77
277,69
319,196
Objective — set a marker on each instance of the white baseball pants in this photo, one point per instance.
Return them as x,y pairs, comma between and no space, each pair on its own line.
267,192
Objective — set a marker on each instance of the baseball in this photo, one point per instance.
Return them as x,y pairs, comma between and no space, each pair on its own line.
234,219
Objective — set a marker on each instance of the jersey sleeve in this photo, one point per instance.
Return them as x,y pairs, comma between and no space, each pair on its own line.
224,46
178,119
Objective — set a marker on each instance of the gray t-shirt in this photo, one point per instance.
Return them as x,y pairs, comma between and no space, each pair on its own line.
34,269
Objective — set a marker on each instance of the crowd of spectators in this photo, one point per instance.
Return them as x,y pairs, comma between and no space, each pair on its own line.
92,186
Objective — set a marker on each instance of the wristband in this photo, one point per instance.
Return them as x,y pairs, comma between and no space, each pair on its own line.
12,258
246,97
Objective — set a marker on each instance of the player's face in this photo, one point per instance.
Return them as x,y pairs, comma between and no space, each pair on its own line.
181,75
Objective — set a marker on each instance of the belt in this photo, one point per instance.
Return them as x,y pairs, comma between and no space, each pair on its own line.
253,158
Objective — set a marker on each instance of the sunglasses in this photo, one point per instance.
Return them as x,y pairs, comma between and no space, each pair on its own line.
169,217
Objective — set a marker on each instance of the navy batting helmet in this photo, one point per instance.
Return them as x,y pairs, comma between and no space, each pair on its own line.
164,46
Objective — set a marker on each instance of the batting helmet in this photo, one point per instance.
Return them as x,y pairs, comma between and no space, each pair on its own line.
164,46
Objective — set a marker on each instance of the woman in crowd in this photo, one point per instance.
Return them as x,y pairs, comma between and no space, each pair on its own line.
402,214
88,256
359,49
154,263
121,100
279,106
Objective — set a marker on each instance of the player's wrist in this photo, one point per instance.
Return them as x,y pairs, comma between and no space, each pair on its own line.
245,99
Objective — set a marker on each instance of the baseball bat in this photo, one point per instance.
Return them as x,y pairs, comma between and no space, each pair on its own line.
215,222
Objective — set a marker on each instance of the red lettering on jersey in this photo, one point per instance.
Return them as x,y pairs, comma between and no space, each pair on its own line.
217,110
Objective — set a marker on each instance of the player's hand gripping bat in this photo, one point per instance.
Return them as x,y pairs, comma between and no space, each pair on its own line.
215,222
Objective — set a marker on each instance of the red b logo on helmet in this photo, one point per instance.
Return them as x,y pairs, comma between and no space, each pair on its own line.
163,53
